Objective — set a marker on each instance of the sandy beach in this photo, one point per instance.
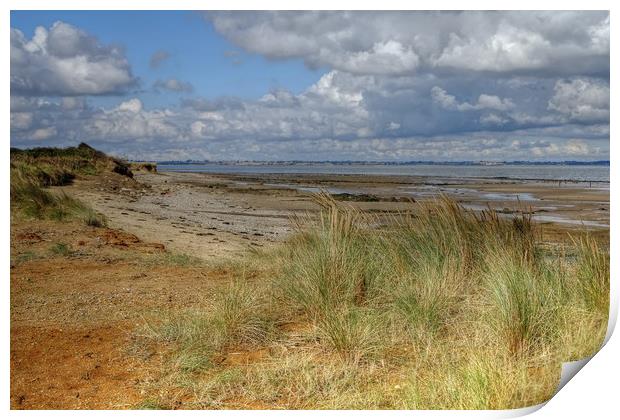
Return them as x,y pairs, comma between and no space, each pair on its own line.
222,215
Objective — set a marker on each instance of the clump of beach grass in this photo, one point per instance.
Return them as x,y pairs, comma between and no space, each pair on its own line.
37,202
235,315
523,304
94,219
438,307
593,275
170,258
61,249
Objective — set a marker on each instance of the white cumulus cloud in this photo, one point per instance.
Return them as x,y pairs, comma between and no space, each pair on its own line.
66,61
447,101
581,99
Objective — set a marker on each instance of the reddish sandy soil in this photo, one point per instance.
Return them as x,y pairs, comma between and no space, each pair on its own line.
78,292
72,316
72,367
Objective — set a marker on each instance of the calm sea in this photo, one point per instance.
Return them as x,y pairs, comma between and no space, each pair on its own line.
587,173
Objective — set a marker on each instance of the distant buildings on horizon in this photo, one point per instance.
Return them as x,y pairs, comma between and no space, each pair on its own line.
395,163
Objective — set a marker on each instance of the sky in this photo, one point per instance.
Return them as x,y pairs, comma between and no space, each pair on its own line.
377,86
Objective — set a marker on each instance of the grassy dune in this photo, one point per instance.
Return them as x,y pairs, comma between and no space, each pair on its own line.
34,170
438,308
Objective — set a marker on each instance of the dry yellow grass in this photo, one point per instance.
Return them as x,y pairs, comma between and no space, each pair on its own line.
440,308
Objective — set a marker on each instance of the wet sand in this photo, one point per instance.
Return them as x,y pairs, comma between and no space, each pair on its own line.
223,215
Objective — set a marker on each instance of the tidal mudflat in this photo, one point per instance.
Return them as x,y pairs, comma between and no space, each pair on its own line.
210,215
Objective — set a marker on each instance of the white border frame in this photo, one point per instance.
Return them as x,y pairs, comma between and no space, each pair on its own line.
592,393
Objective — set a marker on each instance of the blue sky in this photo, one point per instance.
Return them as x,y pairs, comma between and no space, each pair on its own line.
197,53
313,85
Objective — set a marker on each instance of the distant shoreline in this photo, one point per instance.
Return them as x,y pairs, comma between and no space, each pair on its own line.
383,163
471,178
574,174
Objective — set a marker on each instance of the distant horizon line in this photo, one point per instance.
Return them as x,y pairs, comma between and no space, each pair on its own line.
383,162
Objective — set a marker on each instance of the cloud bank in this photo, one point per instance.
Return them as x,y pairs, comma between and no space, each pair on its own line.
395,86
394,43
